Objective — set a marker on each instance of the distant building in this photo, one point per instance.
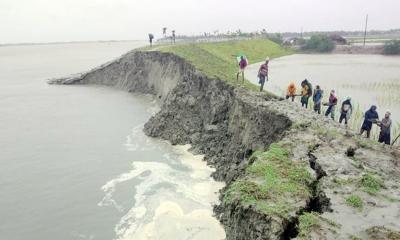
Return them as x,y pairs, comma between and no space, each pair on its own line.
293,41
339,40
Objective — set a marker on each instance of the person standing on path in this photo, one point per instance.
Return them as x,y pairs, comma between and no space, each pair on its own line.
346,110
242,67
331,105
370,117
385,124
317,98
263,73
151,36
173,36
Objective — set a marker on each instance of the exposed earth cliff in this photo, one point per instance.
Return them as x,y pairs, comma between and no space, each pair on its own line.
289,173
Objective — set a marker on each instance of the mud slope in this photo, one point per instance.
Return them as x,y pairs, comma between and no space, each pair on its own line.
234,128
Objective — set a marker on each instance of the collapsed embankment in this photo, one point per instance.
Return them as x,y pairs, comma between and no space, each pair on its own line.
222,123
231,126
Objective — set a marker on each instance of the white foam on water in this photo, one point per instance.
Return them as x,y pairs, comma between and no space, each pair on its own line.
154,107
169,203
171,222
138,141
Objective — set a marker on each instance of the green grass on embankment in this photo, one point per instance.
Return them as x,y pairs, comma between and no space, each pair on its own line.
274,183
215,59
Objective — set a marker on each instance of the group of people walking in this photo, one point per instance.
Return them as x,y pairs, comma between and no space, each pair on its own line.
346,109
370,117
262,72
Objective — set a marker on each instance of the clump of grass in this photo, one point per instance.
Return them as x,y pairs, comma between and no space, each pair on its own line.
307,222
326,132
342,182
381,232
273,182
352,237
277,209
249,192
365,143
371,184
355,202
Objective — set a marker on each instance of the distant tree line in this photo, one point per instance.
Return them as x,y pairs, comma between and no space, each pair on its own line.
319,43
392,47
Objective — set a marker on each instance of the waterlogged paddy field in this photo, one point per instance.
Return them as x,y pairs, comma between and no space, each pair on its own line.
368,79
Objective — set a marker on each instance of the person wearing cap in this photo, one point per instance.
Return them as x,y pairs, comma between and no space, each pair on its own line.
263,73
370,117
291,91
346,110
331,105
385,124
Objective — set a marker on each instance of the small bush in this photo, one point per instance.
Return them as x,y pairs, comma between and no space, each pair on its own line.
319,43
392,47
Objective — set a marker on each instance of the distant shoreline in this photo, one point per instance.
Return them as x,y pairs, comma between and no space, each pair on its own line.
70,42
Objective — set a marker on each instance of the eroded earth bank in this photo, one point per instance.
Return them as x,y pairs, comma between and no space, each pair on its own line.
289,173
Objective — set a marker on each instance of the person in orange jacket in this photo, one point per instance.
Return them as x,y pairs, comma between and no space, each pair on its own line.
291,91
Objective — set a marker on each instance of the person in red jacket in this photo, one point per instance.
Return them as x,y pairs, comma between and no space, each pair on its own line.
331,105
263,73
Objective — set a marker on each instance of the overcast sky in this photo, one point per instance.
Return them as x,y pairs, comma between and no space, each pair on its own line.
83,20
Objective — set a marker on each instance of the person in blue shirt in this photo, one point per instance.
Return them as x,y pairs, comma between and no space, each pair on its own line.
317,98
370,117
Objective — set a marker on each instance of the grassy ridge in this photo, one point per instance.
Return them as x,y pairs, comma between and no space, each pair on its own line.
216,60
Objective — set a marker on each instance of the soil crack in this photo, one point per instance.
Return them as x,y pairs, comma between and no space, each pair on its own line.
318,201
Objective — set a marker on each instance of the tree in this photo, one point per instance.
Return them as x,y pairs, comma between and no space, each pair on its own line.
164,31
319,43
392,47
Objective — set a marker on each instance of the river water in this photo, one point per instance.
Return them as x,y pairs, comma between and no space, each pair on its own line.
75,164
368,79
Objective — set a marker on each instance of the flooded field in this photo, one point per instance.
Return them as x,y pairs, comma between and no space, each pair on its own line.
368,79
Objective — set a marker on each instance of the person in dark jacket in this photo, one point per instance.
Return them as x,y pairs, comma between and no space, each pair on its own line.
151,37
370,117
385,124
346,110
317,98
306,92
331,105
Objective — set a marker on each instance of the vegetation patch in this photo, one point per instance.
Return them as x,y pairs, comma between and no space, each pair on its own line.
379,232
355,202
331,133
217,60
370,183
319,43
307,222
274,183
392,47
